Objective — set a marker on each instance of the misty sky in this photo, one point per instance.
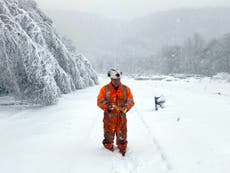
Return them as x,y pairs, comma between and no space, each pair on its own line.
126,9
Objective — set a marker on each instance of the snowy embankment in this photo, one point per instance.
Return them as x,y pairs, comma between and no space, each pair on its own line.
190,135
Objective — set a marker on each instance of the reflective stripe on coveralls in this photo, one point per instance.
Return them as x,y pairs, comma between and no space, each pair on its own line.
107,98
102,102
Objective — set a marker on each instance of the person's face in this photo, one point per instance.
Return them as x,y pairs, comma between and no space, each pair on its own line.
116,82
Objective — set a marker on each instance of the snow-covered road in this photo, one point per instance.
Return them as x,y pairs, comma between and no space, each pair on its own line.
189,136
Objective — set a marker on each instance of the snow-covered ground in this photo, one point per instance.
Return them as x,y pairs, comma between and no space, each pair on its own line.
190,135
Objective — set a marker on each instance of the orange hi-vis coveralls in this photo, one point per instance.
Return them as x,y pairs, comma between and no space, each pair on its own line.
115,121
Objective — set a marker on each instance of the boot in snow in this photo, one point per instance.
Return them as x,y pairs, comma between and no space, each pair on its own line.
122,152
108,145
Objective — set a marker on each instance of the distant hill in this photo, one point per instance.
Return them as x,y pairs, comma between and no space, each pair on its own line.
113,41
174,26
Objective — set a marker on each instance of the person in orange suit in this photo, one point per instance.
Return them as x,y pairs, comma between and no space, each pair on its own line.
115,99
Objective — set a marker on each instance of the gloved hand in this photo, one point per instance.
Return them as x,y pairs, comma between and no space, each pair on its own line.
110,107
123,109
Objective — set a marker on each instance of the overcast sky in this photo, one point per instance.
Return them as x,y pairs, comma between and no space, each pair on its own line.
126,9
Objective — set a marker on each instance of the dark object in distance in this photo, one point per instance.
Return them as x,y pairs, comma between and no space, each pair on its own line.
159,101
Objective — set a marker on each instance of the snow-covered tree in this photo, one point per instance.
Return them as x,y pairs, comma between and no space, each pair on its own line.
35,64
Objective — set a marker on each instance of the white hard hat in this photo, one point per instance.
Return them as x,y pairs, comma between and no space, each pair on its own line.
114,73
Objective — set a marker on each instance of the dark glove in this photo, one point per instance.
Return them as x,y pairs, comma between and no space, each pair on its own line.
110,107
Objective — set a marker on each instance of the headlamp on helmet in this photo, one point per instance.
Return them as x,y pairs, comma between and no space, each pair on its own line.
114,73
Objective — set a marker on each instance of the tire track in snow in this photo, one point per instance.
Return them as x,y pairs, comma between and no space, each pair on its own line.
155,142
